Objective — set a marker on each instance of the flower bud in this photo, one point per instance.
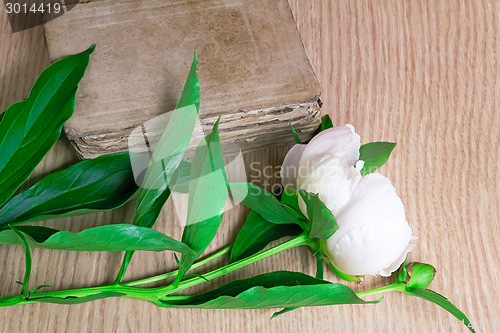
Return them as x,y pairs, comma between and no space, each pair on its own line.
419,275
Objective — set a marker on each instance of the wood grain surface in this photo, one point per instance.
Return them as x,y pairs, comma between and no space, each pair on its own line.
424,74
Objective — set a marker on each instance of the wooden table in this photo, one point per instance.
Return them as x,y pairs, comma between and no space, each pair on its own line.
424,74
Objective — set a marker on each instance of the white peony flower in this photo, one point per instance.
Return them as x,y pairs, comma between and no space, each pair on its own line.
373,236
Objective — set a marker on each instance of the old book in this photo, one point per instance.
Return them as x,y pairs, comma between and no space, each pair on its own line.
253,69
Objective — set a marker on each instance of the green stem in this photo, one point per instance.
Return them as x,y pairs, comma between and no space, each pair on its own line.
174,273
147,294
301,239
396,286
123,268
154,294
144,294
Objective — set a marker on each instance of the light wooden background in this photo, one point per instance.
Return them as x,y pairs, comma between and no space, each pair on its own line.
424,74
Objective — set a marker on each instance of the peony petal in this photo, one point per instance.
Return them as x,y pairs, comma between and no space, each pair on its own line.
371,249
374,198
338,142
334,183
373,233
290,168
395,265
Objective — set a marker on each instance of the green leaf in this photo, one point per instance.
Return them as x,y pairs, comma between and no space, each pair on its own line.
103,183
40,287
115,237
208,182
326,123
38,233
319,275
290,197
31,127
167,157
323,224
77,299
294,134
207,197
263,203
164,162
196,275
169,152
290,201
191,92
270,290
283,311
374,154
442,301
181,177
257,233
